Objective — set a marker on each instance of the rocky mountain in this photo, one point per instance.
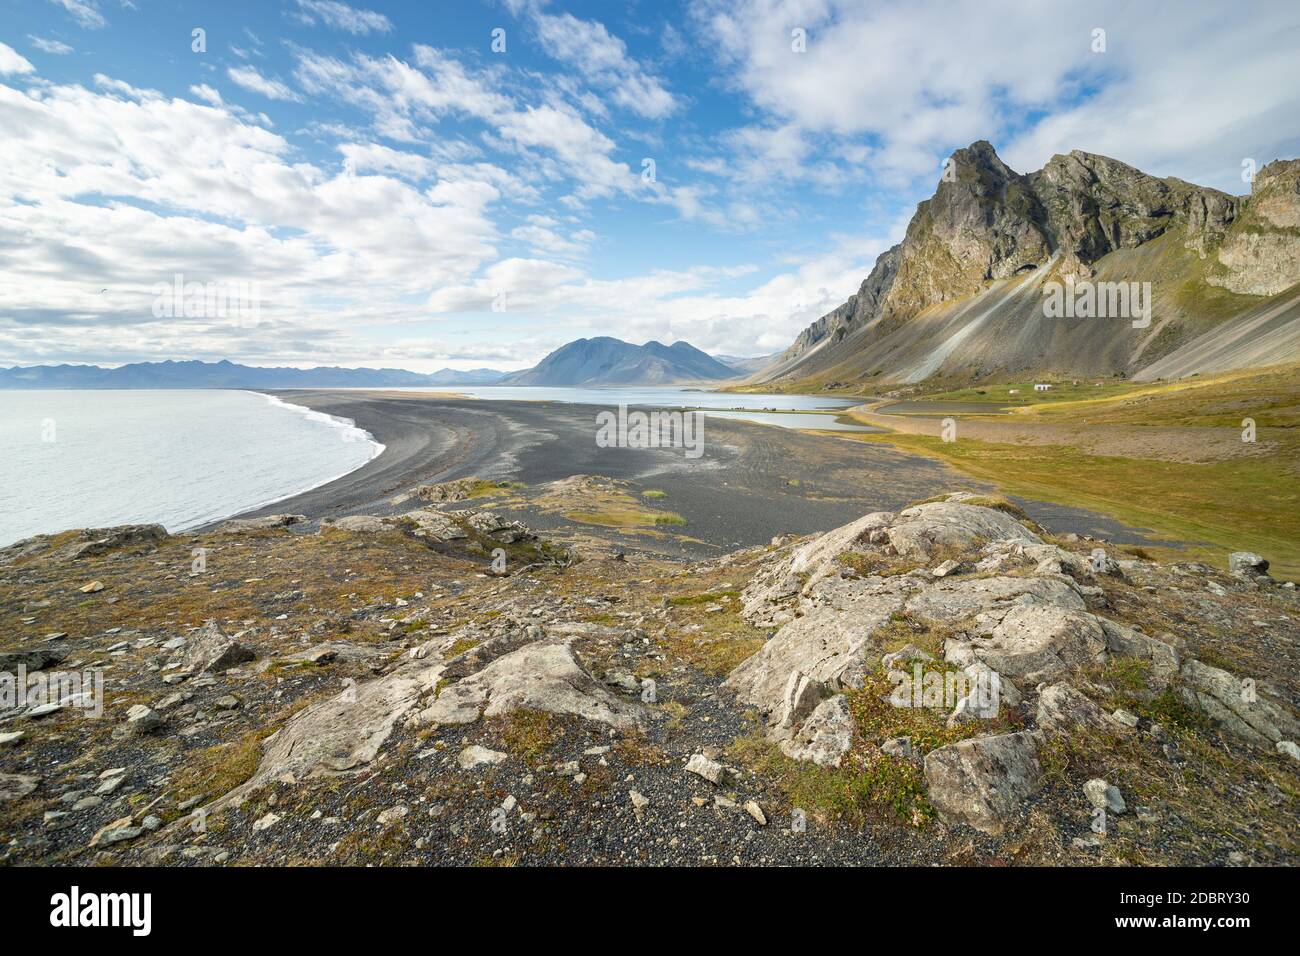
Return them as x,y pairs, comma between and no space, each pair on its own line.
225,374
605,361
962,296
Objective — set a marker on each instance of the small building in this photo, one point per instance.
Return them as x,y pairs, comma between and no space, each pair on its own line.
1042,387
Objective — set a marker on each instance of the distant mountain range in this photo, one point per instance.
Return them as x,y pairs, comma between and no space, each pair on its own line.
225,374
962,297
609,362
590,362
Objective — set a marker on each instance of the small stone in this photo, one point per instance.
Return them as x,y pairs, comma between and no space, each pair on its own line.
951,566
110,785
266,822
1125,718
639,802
57,819
579,778
476,756
221,857
569,768
143,720
92,587
1102,795
393,814
11,739
88,803
755,811
151,823
1247,561
1289,748
710,770
899,747
116,832
228,702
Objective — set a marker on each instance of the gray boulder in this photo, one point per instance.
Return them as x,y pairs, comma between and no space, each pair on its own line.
981,782
542,676
1039,642
210,650
1062,708
826,736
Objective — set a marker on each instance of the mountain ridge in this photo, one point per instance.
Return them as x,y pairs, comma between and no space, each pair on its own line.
607,361
1217,264
226,374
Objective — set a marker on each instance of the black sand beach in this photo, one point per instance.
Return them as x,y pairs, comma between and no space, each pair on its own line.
752,482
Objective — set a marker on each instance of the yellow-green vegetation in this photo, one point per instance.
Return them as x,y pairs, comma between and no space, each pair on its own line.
625,517
868,784
460,647
606,503
713,641
1211,793
1020,394
654,493
528,734
1247,502
216,770
903,628
708,597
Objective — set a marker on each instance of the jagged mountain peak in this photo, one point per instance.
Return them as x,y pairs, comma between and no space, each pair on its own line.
987,225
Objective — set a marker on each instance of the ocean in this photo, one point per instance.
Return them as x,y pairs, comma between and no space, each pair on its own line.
181,458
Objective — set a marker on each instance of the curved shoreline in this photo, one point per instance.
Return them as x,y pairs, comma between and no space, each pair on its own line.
753,482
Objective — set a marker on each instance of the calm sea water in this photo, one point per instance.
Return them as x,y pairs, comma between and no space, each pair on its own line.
76,459
661,397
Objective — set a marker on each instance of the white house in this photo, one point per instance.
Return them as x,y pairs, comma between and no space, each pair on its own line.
1041,387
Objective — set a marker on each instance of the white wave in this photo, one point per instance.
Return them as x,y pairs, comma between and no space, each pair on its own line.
348,427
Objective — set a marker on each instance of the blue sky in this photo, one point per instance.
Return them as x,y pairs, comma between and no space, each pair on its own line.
403,194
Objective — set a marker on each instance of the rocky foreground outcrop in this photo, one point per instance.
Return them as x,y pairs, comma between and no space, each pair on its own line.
1017,627
900,689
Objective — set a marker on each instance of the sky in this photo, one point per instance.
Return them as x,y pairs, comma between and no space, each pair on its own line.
424,184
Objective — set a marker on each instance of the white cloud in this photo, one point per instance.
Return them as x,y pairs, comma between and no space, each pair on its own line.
603,59
85,12
99,193
667,304
11,61
207,94
371,157
250,79
340,16
57,47
914,80
543,236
